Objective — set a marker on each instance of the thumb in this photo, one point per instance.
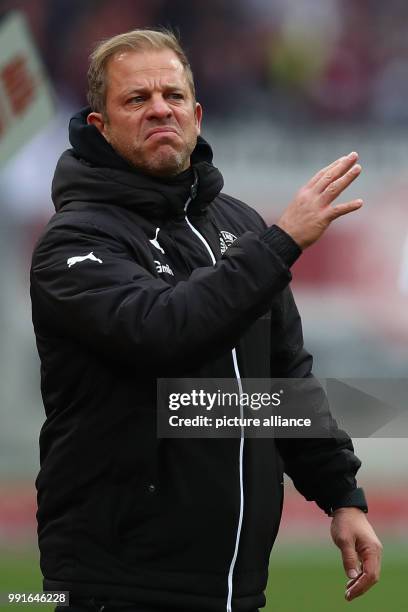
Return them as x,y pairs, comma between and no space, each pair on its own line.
350,561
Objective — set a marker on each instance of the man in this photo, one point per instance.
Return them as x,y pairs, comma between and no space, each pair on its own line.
132,280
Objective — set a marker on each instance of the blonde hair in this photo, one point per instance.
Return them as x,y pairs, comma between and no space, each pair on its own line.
137,40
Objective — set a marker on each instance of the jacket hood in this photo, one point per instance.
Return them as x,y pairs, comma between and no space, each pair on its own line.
92,171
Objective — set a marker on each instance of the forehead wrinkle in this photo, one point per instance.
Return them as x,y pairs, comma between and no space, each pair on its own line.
153,82
178,68
148,74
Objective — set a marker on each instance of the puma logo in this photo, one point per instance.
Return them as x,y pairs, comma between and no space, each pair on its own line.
155,242
73,260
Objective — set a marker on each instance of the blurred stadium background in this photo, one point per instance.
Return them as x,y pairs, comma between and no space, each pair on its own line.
287,86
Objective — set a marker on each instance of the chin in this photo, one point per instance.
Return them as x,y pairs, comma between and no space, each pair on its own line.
167,163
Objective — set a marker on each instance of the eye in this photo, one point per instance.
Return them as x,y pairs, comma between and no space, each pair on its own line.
175,95
135,100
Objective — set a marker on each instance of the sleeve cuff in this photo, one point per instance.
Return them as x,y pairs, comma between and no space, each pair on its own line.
282,244
353,499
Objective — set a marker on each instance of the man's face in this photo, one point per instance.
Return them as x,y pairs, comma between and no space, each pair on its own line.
151,119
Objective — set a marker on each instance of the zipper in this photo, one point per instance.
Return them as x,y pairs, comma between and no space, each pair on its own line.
195,231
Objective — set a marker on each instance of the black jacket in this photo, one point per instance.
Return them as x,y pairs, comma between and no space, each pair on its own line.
121,513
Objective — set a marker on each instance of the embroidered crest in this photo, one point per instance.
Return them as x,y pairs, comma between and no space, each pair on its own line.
226,239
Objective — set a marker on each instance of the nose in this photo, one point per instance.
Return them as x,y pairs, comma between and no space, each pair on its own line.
159,108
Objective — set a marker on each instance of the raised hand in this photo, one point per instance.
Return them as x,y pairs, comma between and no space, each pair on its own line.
311,211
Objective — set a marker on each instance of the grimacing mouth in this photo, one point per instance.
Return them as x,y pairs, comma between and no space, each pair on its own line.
165,129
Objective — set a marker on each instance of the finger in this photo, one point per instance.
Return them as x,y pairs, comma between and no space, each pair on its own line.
337,171
343,209
357,589
361,586
369,577
337,187
353,580
321,172
351,562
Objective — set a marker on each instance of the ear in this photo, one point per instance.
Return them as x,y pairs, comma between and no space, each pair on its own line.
98,121
198,116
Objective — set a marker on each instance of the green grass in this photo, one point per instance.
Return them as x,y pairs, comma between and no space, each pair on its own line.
313,580
301,579
20,573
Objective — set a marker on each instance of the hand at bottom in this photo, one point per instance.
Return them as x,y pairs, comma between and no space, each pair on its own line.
360,549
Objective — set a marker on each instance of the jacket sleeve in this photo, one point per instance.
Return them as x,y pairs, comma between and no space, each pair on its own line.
323,470
117,307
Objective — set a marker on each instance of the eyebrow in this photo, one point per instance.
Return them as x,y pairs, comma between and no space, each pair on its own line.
143,88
